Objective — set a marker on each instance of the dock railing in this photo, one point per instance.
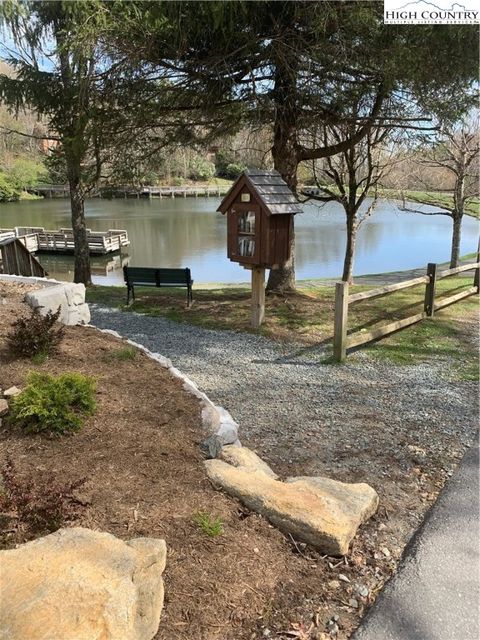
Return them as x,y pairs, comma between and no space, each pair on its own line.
99,242
62,240
130,191
342,341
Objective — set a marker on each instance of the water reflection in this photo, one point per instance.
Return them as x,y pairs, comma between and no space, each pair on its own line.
188,232
61,266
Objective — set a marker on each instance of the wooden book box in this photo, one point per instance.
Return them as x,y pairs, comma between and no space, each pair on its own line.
260,209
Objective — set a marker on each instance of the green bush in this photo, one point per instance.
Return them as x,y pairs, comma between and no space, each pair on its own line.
201,169
25,173
36,336
20,175
223,158
8,191
233,170
54,405
228,165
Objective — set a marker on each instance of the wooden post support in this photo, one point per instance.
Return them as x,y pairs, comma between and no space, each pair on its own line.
476,277
258,296
429,304
341,319
18,271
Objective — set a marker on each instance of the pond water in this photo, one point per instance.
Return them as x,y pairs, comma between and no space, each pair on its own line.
187,232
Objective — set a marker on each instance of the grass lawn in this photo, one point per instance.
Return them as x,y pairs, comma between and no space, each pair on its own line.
306,317
435,199
438,199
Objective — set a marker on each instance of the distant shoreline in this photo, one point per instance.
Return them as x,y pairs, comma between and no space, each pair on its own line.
192,189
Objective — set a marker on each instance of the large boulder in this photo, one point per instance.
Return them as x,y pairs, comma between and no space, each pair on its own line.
322,512
246,458
69,296
78,584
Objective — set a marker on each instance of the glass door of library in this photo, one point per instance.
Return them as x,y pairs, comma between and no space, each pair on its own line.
245,239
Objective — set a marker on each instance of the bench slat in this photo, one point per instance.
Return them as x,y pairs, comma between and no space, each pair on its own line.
157,277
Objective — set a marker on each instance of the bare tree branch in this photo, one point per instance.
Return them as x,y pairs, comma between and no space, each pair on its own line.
29,135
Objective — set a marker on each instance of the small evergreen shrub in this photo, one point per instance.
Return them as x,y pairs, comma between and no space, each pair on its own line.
211,526
35,335
37,506
54,405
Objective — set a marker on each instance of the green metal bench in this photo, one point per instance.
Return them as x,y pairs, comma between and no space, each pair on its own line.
153,277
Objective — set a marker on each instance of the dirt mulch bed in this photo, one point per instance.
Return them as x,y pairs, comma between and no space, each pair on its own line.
145,477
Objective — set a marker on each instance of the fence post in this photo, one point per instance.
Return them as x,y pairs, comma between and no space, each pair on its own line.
340,324
476,277
429,304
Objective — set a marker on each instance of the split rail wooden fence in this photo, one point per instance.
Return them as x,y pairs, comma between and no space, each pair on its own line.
342,341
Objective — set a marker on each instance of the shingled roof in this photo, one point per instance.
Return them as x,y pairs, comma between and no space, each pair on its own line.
271,189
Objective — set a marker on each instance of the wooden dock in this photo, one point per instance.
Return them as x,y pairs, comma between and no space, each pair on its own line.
41,240
165,192
62,191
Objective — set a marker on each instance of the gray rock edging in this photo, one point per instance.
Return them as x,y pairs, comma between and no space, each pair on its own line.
219,426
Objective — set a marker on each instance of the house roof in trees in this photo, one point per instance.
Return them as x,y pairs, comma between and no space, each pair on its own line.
270,188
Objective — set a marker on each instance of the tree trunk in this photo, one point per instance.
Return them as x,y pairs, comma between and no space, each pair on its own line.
285,162
284,153
350,248
456,236
82,271
457,213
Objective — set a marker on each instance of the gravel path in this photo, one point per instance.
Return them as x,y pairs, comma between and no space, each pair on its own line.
363,421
